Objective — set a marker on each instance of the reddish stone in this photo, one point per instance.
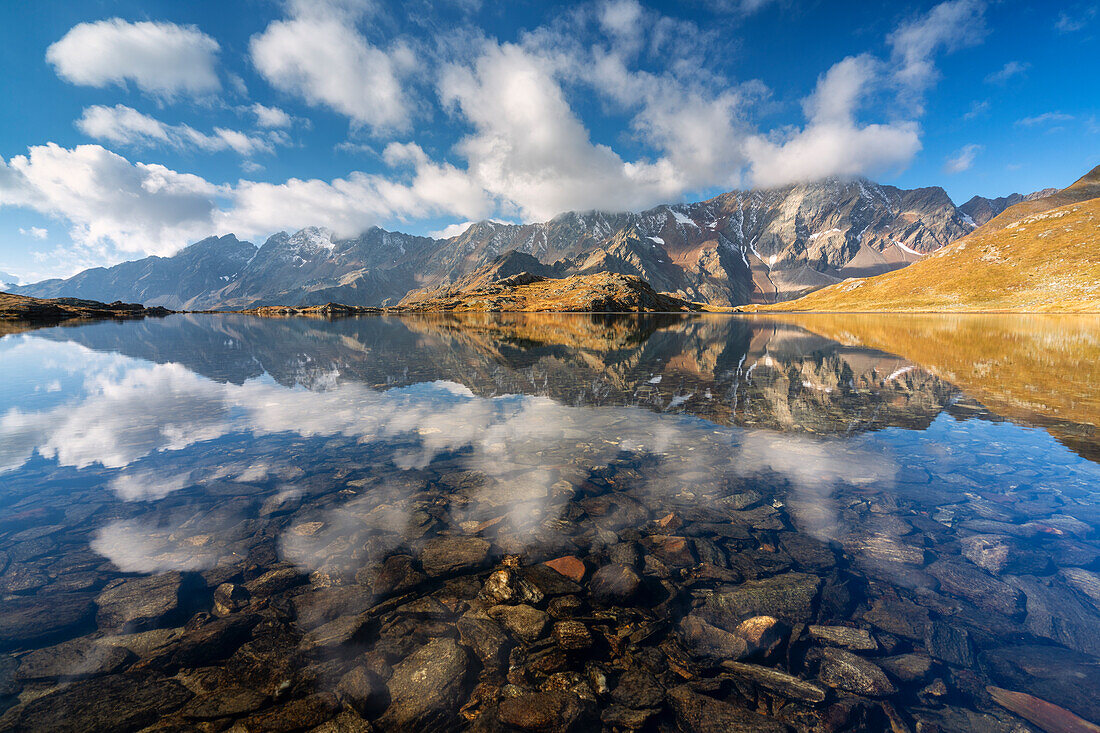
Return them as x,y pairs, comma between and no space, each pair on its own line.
670,521
675,551
569,566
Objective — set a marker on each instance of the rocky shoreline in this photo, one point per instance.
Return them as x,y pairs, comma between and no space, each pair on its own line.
38,310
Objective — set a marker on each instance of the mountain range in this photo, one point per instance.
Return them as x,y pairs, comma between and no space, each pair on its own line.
1037,255
758,246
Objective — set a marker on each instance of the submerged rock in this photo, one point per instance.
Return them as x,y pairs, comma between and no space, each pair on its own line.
785,684
845,636
486,639
789,597
119,702
846,671
523,621
638,689
138,603
554,711
73,660
698,713
26,620
426,688
614,585
229,598
572,635
445,556
710,643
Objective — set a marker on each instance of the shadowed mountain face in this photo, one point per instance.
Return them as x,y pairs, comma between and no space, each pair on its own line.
740,247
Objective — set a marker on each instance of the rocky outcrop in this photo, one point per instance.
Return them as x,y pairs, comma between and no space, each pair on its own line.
23,308
599,293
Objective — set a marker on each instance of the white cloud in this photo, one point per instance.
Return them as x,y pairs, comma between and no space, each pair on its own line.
270,116
977,108
350,205
1006,72
320,56
948,26
622,19
741,7
137,207
531,150
833,143
121,208
1045,118
35,232
700,132
162,59
451,230
962,160
528,155
126,126
1067,23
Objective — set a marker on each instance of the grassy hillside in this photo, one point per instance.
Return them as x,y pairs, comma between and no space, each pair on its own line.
1037,256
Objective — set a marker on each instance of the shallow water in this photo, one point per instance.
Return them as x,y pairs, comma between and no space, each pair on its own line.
829,523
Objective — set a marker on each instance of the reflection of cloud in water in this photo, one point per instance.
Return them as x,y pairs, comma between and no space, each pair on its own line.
133,416
144,485
814,468
137,546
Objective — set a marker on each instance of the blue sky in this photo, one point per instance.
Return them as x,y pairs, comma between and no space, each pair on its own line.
134,128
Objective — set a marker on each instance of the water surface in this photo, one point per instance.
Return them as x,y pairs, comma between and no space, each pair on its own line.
828,523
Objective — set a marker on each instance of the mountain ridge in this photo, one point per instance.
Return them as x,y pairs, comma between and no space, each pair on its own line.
1039,255
738,247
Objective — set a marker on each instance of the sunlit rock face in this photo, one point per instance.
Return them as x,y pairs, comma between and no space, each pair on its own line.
739,247
346,522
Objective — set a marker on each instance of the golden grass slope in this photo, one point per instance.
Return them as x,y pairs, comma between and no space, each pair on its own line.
1048,261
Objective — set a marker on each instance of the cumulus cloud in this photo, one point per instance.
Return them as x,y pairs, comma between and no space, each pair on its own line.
161,59
118,207
137,207
531,150
527,154
451,230
833,143
270,116
126,126
962,160
35,232
977,108
319,55
350,205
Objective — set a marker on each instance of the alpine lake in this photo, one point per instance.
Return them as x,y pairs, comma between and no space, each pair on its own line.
503,522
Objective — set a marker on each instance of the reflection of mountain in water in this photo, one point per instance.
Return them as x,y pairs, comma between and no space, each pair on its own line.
728,370
1036,370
